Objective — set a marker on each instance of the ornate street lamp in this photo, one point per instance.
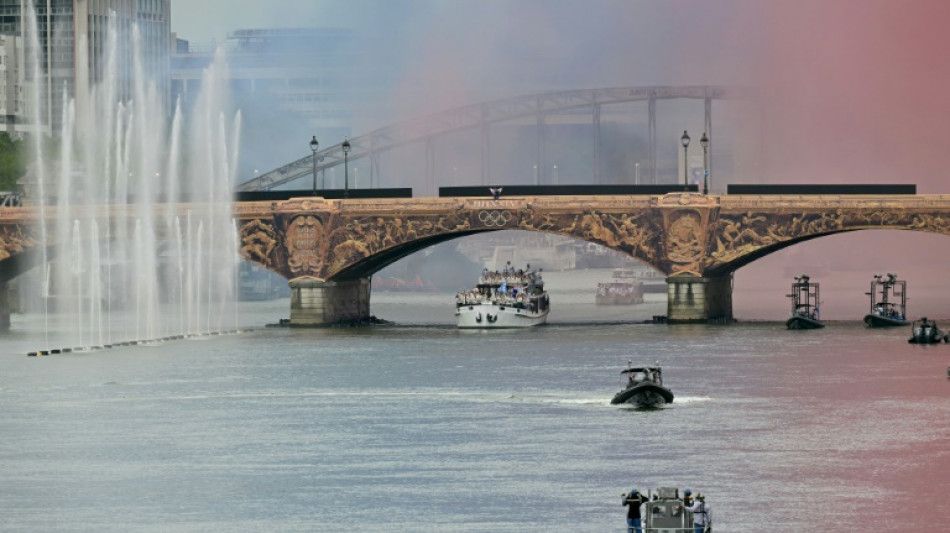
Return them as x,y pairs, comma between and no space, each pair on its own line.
685,140
704,141
313,148
346,174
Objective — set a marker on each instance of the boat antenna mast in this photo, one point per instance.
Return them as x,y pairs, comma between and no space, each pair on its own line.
887,286
895,283
873,293
801,292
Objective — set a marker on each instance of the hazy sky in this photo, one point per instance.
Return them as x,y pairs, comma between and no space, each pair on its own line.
202,20
854,91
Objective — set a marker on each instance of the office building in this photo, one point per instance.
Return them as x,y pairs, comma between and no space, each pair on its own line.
73,46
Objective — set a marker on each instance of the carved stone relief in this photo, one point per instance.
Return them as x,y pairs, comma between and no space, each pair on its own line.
683,238
14,240
258,242
683,233
636,233
363,236
735,235
303,238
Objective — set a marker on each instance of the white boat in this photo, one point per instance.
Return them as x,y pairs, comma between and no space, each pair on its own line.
507,299
624,288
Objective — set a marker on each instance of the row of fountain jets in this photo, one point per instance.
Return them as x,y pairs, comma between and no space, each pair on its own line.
125,256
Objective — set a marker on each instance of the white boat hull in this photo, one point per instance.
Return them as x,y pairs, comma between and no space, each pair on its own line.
492,316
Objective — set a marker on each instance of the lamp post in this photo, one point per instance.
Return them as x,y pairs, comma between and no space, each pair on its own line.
704,142
685,140
346,173
313,148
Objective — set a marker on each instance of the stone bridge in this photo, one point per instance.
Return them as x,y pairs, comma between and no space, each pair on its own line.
328,249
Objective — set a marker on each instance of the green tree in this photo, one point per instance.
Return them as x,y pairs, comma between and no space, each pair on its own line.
12,158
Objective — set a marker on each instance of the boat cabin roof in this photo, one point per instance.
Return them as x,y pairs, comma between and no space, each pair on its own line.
641,369
514,285
624,273
624,283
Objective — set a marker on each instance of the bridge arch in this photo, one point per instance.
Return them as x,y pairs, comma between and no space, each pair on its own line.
342,245
372,264
745,230
760,253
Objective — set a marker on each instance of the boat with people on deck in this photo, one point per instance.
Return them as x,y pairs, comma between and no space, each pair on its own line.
888,302
643,386
624,288
667,512
925,331
510,298
805,299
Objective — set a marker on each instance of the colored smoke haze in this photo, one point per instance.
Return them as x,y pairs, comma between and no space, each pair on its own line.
856,91
852,91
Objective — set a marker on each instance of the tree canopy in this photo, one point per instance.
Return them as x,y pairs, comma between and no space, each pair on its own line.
12,162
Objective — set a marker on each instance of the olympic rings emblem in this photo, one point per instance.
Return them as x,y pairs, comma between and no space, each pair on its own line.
495,218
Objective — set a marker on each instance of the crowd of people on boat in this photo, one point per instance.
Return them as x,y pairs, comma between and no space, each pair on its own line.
888,310
510,277
622,290
513,297
508,287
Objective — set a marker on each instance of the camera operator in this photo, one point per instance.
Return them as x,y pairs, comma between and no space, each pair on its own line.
702,517
634,500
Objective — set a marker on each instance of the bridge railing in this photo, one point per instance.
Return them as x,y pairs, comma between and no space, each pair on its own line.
10,199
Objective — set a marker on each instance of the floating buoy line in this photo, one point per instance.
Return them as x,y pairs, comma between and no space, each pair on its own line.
152,342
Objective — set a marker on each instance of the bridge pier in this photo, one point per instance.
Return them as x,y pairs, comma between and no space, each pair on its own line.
319,303
4,306
693,299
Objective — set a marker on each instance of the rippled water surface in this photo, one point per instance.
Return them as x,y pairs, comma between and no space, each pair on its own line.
421,427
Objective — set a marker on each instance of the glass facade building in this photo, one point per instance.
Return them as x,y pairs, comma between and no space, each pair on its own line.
72,36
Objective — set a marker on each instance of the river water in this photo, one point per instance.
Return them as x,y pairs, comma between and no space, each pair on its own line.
421,427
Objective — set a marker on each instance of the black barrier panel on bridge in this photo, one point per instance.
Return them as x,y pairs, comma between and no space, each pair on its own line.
821,189
564,190
329,194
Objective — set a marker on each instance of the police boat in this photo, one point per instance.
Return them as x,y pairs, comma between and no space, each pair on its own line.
888,302
805,301
644,386
665,513
925,331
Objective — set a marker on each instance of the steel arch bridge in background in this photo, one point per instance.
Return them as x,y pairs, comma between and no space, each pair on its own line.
482,116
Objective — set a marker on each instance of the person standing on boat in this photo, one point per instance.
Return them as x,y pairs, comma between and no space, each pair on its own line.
687,498
634,500
702,517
